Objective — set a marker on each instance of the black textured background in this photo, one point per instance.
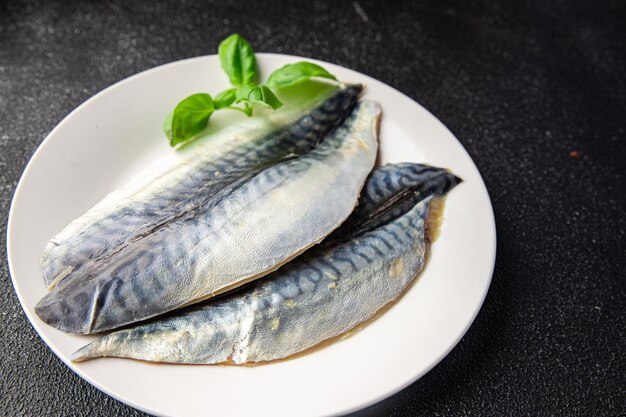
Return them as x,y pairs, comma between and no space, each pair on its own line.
521,84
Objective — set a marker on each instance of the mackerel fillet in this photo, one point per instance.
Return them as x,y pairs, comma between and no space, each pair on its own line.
260,223
358,270
193,179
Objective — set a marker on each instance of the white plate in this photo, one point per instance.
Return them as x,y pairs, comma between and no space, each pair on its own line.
111,136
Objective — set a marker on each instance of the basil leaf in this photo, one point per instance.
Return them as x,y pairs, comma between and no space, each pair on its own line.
225,98
167,124
237,59
292,74
243,92
191,116
264,96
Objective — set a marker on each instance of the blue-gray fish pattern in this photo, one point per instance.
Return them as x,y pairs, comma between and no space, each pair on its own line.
322,294
263,222
190,185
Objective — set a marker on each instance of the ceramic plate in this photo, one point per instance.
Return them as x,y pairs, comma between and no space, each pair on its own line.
116,133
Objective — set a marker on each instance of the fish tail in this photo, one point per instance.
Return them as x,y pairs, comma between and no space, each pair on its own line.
93,350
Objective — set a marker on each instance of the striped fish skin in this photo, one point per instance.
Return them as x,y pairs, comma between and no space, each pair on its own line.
324,293
264,222
198,179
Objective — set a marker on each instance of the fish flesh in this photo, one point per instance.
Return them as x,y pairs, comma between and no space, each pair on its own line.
358,270
263,222
191,180
329,290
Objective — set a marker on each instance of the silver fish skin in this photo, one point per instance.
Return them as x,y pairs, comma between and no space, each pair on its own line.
327,291
261,224
192,179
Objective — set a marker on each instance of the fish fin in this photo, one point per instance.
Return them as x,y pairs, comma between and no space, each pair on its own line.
91,351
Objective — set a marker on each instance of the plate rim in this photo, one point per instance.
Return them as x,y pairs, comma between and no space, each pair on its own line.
270,56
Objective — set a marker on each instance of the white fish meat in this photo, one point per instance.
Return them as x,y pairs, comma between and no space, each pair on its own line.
261,223
190,180
361,268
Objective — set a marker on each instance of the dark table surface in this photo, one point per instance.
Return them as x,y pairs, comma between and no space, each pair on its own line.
536,93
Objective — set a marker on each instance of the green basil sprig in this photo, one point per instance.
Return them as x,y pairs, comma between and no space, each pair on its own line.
191,116
238,61
225,98
293,74
262,95
237,58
